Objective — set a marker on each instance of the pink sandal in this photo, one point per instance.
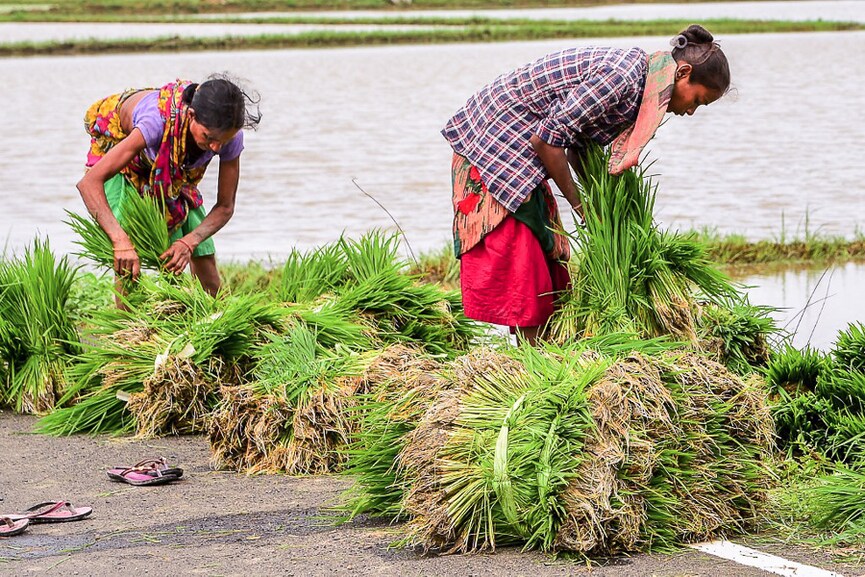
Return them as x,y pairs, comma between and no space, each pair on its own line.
52,512
10,528
147,472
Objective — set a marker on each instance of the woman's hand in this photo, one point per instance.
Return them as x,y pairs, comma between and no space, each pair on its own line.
177,256
126,262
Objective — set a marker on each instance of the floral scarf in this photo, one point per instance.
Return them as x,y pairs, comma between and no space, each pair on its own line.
626,148
477,213
165,177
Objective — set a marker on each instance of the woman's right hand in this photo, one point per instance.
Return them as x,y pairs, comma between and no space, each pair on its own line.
126,262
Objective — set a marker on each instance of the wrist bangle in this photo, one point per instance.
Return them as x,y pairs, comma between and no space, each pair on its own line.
184,243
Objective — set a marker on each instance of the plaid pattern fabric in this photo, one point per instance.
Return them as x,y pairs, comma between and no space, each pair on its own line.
567,98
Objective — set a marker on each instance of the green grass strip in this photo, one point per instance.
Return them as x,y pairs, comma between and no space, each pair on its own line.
499,31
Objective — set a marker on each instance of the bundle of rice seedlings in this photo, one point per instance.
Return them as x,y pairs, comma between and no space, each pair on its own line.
629,276
295,408
143,220
849,349
571,449
819,400
363,282
166,355
38,338
440,267
401,383
795,370
736,334
404,395
835,503
247,278
305,277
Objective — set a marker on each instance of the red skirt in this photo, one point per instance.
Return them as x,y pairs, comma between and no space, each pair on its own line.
507,279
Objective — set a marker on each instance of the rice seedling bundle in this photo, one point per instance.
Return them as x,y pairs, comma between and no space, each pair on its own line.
143,220
570,449
363,282
38,338
294,409
835,503
736,335
819,399
401,384
629,276
156,367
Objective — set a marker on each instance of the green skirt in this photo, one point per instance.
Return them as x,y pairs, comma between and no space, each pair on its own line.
118,187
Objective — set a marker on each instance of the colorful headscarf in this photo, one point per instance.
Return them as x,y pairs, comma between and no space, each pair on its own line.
165,177
626,148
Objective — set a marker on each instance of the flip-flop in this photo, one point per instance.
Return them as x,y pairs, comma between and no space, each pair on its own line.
148,474
52,512
9,528
152,466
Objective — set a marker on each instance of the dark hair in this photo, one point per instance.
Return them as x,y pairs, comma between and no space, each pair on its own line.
696,46
221,104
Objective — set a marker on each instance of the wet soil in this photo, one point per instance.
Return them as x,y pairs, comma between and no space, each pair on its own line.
221,523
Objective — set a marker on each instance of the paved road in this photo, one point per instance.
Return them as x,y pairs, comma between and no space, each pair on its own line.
218,523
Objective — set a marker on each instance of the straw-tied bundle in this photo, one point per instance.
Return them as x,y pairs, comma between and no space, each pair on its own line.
166,356
573,450
629,276
348,303
292,415
38,338
818,399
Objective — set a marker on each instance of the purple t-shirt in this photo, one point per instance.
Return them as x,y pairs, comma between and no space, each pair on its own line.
147,118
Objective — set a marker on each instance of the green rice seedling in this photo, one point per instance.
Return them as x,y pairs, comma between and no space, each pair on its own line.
737,334
438,267
252,277
795,370
305,277
845,435
334,326
159,364
372,254
38,338
629,276
143,220
846,389
801,420
90,293
849,349
836,502
100,382
310,386
567,449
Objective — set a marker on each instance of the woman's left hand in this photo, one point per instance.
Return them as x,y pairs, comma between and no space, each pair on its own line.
177,256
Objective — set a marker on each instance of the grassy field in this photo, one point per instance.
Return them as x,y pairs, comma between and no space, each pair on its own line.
475,31
97,9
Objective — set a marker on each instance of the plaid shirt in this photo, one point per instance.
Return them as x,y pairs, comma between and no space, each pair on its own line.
566,98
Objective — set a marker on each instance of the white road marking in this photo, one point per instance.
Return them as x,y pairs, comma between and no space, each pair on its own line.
753,558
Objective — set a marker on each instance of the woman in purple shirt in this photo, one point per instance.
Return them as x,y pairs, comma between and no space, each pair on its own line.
158,142
529,126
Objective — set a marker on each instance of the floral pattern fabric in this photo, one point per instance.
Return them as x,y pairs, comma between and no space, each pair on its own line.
166,176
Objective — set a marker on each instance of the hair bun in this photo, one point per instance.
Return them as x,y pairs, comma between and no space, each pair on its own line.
696,34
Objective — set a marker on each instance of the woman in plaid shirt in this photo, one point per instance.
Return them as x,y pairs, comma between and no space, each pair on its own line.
529,126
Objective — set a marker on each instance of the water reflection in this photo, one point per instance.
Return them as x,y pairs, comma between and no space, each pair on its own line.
66,31
783,147
834,10
815,304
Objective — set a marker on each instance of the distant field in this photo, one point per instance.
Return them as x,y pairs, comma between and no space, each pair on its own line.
95,9
453,30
